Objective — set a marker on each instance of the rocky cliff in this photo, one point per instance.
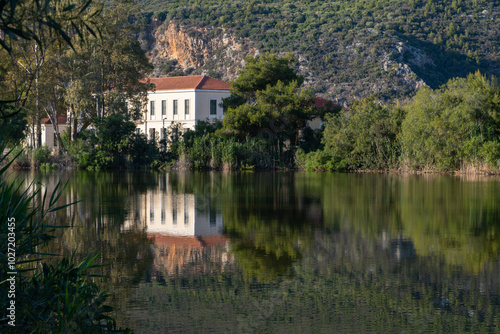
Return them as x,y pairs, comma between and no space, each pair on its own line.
177,49
346,50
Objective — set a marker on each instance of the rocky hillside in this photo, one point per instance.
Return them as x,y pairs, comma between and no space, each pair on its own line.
345,50
178,49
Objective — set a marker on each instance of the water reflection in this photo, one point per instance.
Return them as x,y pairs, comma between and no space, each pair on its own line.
185,232
300,252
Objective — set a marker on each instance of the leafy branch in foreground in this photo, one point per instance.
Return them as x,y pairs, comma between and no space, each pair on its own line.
25,19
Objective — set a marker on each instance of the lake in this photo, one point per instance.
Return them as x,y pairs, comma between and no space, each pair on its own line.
258,252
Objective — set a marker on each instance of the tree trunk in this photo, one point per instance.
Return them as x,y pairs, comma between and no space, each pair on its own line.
53,119
75,128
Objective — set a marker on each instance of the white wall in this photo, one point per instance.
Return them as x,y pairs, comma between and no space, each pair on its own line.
169,97
156,211
199,109
203,98
48,134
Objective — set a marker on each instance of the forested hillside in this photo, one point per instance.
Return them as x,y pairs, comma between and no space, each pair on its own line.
346,49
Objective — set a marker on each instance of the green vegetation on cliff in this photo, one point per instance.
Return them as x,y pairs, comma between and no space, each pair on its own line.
354,48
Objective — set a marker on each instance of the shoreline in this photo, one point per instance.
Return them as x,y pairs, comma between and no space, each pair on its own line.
174,166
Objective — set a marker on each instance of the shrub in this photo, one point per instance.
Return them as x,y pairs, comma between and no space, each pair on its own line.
41,154
364,137
454,126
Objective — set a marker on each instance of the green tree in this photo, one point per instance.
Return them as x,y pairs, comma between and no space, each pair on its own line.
12,127
48,77
26,19
258,74
454,127
107,75
114,136
28,23
267,102
364,137
113,144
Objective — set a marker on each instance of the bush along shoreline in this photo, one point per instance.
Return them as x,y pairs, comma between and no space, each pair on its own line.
453,129
42,293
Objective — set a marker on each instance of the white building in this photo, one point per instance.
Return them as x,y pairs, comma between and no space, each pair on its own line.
182,101
48,133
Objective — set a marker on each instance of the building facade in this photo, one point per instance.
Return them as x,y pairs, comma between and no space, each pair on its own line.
48,134
180,102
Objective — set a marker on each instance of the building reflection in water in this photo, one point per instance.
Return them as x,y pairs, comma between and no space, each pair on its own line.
185,230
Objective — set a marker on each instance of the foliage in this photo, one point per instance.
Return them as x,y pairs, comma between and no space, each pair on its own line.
48,166
101,75
279,112
41,154
66,287
201,128
12,127
261,72
454,127
364,137
318,160
61,297
267,105
113,144
143,153
26,19
351,48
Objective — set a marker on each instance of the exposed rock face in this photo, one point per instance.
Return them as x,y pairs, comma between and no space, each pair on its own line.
177,49
204,50
175,43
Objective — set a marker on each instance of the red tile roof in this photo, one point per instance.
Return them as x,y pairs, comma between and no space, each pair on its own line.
60,120
189,82
188,241
325,104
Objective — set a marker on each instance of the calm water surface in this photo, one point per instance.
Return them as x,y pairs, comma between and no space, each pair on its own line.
289,252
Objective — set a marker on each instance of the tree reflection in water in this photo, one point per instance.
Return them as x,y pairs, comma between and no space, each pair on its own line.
272,252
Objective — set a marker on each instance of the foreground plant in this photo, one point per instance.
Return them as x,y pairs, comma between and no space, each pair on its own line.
50,295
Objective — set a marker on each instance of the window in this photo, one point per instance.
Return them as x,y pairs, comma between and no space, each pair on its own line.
138,131
152,134
213,217
152,108
163,107
175,107
213,107
174,216
175,134
151,208
186,107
